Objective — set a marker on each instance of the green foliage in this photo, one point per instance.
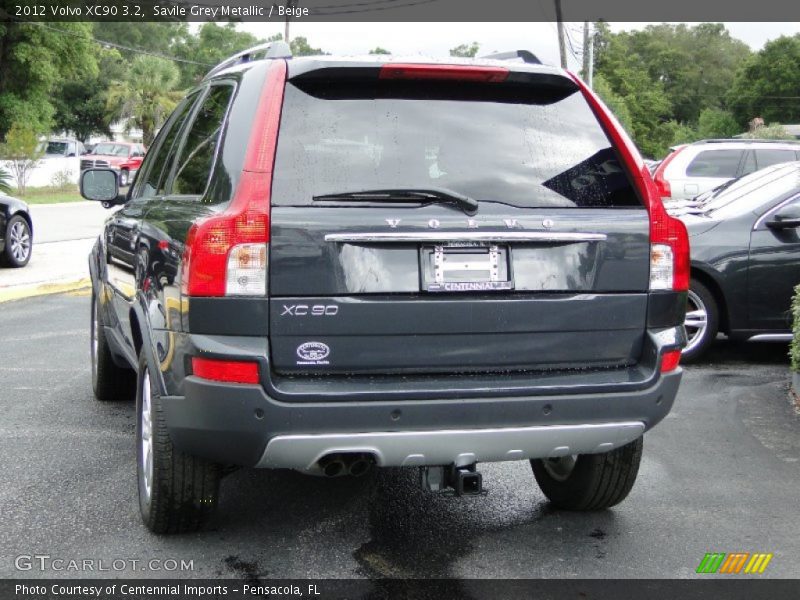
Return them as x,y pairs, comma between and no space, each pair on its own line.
379,50
81,103
682,133
146,95
614,102
768,83
22,150
667,76
717,123
465,50
301,47
34,62
212,44
794,350
773,131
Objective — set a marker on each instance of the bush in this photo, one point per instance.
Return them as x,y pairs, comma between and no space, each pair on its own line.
794,349
62,180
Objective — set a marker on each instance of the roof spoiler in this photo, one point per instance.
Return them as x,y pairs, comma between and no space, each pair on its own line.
524,55
269,50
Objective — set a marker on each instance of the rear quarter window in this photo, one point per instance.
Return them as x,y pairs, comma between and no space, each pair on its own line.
715,163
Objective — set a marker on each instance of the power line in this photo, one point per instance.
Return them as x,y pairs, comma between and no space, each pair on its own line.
119,46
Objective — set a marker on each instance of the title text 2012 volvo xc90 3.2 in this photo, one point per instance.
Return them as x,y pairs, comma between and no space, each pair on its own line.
330,264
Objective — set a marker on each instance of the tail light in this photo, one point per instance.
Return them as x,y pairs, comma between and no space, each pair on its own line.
226,254
669,241
444,72
662,185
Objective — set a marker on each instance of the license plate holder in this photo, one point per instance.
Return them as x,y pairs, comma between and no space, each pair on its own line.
466,268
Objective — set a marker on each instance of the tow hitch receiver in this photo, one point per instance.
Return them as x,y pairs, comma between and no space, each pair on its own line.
465,481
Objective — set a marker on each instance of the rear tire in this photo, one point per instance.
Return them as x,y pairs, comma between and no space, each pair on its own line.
109,381
589,481
702,321
124,178
177,492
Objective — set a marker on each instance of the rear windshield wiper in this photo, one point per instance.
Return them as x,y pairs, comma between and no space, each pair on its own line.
441,195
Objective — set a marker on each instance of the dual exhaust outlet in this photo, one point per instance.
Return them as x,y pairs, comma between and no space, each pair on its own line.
464,481
345,463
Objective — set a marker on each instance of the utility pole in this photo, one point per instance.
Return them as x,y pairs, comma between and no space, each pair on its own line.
586,58
289,4
588,53
561,47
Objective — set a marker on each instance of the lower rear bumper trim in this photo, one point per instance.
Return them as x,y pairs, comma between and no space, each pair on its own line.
444,447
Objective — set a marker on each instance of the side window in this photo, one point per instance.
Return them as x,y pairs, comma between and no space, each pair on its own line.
715,163
200,146
768,157
153,169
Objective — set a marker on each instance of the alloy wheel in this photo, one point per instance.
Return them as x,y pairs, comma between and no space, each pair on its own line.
696,322
20,239
146,438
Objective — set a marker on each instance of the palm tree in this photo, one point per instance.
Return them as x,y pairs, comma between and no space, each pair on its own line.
146,96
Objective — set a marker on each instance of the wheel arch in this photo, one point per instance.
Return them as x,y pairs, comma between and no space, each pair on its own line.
713,286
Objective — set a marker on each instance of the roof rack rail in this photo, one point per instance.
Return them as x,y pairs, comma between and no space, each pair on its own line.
738,139
526,56
268,50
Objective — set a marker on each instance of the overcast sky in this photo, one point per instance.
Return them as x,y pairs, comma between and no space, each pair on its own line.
436,39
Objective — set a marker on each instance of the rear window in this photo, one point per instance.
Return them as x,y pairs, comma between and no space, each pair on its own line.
768,157
526,146
715,163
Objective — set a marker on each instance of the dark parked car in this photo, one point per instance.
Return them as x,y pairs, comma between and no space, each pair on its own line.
745,258
16,232
434,265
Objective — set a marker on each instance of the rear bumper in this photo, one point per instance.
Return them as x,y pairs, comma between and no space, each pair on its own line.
241,424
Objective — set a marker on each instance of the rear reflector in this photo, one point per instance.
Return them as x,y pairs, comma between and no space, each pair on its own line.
670,360
230,371
444,72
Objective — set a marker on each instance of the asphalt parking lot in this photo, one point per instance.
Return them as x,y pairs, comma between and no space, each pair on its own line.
720,474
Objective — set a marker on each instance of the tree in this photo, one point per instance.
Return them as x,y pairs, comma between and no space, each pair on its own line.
667,76
379,50
614,102
22,150
717,123
146,96
212,44
80,103
465,50
301,47
768,84
34,61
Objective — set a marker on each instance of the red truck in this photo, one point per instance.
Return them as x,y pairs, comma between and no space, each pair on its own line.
124,157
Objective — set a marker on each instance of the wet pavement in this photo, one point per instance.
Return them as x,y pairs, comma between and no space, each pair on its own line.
720,474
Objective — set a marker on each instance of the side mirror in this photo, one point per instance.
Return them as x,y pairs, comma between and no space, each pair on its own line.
101,185
787,217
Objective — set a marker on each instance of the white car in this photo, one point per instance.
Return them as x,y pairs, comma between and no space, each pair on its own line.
692,169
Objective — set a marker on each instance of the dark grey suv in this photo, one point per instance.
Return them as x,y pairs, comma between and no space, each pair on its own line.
330,264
